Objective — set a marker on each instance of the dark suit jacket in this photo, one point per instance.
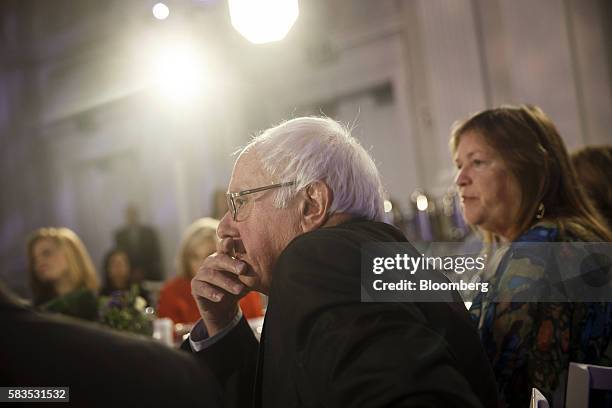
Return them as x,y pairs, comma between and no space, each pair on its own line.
144,252
322,347
102,367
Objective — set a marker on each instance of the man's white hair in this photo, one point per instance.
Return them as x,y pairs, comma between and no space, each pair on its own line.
310,149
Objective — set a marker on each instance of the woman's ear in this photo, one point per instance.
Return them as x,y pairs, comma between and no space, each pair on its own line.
317,199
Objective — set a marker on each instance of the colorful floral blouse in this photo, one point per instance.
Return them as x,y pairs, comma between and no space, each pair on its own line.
530,344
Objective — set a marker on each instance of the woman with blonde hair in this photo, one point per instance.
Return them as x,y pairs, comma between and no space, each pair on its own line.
517,186
62,276
175,299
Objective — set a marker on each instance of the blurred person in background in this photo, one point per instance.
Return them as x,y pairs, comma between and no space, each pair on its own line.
62,276
175,299
517,185
142,246
118,274
593,166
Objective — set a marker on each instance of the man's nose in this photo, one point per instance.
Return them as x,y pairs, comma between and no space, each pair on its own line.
225,228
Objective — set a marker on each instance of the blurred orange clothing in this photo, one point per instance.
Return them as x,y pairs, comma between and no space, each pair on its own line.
176,302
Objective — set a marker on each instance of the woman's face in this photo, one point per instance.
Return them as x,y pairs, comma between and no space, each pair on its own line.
490,194
119,270
200,251
50,264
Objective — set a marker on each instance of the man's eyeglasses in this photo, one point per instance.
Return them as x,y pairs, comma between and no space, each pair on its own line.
235,201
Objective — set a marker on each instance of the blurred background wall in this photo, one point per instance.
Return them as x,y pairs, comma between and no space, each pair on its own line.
83,131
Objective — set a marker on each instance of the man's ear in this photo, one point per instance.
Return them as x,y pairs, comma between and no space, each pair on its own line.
317,198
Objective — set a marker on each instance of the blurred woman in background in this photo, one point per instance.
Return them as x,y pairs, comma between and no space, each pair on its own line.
593,166
517,185
118,274
175,299
62,276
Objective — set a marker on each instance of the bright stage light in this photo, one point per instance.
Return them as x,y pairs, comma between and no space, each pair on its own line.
161,11
177,72
263,21
388,206
422,202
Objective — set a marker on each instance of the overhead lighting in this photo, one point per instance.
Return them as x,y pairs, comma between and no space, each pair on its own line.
388,206
263,21
161,11
422,202
177,71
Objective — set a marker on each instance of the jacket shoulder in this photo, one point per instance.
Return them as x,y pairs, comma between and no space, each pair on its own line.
350,234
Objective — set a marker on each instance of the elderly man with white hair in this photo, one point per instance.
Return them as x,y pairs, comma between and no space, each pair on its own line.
303,198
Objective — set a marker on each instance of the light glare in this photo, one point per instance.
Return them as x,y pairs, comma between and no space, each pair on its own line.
263,21
177,72
421,202
388,206
161,11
